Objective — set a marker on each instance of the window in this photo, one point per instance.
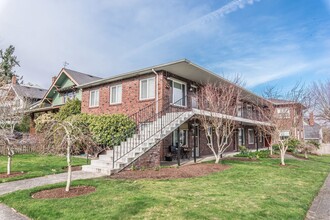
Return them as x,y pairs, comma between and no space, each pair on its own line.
147,88
283,112
261,138
179,93
94,98
115,94
239,111
68,96
251,136
284,134
241,136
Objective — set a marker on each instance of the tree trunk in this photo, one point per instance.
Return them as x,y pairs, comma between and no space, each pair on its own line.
282,157
306,155
9,165
68,159
217,159
271,149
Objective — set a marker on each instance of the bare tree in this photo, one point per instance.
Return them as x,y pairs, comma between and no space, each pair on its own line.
320,93
218,104
272,92
67,136
284,117
11,113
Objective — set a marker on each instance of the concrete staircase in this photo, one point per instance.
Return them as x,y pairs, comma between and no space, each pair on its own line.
134,147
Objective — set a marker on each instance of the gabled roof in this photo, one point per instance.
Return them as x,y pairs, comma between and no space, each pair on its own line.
81,78
26,91
77,78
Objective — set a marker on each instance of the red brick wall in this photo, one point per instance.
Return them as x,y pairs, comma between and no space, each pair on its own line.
131,102
150,159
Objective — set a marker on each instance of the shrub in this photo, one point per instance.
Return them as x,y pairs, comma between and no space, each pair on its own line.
71,107
110,130
256,154
243,150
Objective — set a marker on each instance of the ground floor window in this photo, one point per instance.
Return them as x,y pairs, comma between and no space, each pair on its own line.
251,136
241,137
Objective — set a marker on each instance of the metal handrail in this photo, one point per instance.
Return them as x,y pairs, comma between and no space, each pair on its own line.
151,124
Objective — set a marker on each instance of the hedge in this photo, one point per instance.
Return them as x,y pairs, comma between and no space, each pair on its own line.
110,130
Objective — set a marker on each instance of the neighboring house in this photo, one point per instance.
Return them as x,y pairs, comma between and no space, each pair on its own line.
22,96
312,130
291,114
63,88
161,100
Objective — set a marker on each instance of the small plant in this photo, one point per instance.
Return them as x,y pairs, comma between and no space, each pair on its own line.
133,167
243,150
157,168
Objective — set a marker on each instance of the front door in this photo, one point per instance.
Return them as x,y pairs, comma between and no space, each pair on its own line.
197,143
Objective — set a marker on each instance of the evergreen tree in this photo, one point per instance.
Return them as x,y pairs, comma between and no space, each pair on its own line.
7,63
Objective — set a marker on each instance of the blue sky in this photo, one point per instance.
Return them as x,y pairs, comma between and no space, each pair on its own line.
267,42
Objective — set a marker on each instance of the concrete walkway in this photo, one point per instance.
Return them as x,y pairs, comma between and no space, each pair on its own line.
45,180
320,208
9,213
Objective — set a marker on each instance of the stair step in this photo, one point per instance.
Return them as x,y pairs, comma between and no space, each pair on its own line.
138,144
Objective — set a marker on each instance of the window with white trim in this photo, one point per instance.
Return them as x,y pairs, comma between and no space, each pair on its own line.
283,112
147,88
179,91
94,98
251,136
241,136
115,94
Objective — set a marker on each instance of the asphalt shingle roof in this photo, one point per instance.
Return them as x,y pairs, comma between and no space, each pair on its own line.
81,78
29,91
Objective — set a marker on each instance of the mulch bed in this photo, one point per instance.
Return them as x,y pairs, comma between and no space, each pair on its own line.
187,171
61,193
13,174
73,168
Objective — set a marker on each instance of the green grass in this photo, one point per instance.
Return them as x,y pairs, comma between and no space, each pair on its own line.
248,190
34,165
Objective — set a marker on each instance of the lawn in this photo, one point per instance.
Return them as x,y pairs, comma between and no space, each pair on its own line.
34,165
248,190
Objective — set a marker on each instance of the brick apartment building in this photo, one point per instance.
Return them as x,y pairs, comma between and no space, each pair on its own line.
167,91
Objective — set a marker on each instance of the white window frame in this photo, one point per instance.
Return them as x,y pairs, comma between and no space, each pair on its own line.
283,112
249,139
241,133
185,92
147,79
117,97
239,110
98,98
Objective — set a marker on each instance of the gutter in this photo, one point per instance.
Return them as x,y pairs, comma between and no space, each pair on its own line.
156,89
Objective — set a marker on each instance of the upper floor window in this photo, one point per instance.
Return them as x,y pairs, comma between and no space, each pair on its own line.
147,88
68,96
94,98
283,112
115,94
239,111
179,91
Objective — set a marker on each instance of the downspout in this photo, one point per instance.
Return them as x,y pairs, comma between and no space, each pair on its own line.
156,89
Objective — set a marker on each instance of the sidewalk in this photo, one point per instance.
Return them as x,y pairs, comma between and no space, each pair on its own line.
9,213
320,208
45,180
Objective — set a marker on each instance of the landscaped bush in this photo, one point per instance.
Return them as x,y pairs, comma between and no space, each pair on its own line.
110,130
71,107
256,154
